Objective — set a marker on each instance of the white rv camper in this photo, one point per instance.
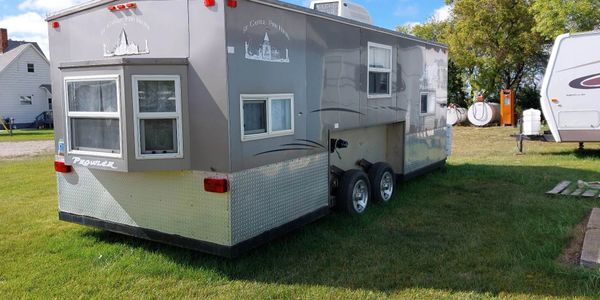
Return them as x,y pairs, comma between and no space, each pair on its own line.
571,90
219,125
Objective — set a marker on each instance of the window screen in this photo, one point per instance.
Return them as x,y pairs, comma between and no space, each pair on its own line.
98,135
93,115
281,114
158,113
158,136
380,70
92,96
255,116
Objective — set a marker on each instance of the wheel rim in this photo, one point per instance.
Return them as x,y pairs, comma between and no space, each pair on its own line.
386,186
360,196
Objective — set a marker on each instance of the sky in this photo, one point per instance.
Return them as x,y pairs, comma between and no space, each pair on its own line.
24,19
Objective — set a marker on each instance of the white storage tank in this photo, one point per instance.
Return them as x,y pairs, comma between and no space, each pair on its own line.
532,122
456,115
484,113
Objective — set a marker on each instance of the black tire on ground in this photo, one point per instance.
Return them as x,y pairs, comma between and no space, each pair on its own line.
383,182
354,192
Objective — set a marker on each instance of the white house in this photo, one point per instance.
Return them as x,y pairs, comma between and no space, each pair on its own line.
25,90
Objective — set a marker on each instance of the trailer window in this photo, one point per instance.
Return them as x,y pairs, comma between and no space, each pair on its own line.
93,115
266,116
157,107
380,70
427,105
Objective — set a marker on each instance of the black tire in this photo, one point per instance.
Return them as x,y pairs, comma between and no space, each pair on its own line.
381,175
346,199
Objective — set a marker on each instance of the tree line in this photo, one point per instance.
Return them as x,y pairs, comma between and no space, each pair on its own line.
503,44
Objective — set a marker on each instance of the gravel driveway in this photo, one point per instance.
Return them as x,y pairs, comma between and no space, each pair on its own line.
14,149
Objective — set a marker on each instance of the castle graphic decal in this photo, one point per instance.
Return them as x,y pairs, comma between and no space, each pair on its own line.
266,52
125,47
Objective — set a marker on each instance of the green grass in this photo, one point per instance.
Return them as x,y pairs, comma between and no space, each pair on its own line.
22,135
480,228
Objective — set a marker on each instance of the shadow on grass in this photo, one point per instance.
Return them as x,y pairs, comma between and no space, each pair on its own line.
466,228
585,153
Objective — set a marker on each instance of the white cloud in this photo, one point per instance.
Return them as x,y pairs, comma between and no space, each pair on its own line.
30,25
443,13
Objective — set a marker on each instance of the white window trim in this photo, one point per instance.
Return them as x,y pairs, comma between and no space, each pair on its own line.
137,116
379,70
268,98
92,115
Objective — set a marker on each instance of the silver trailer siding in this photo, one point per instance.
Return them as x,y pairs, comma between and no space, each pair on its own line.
309,72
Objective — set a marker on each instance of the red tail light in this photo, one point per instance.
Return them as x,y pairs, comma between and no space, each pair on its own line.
216,185
55,24
232,3
60,167
121,6
112,8
131,5
209,3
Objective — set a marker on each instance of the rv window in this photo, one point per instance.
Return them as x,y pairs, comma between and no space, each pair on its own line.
380,70
427,104
157,106
93,115
266,116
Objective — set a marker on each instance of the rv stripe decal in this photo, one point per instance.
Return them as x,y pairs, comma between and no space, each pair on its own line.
283,150
338,109
312,142
586,83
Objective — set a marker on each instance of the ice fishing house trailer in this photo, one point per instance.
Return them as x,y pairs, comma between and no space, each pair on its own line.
571,89
219,125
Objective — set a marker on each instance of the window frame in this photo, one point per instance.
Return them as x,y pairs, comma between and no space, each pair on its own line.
32,68
92,115
138,116
26,100
269,99
430,104
379,70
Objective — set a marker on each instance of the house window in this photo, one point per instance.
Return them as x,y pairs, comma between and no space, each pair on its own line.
380,71
30,68
26,100
157,108
427,106
93,115
49,103
266,116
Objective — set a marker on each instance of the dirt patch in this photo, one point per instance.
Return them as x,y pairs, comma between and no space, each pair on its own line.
572,253
16,149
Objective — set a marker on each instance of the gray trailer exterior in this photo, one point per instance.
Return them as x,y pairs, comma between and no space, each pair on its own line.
314,68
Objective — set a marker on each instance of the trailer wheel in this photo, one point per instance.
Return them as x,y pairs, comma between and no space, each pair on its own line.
382,178
354,192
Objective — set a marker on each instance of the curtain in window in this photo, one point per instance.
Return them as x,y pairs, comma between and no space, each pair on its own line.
157,96
158,136
92,96
281,113
379,58
95,134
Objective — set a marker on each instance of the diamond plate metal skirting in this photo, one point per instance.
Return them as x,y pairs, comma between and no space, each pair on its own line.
424,149
169,202
267,197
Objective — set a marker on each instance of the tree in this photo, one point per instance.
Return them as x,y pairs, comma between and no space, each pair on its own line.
494,41
555,17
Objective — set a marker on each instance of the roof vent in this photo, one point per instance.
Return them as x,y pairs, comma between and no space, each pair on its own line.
342,8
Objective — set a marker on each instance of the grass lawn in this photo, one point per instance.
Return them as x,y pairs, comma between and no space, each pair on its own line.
22,135
480,228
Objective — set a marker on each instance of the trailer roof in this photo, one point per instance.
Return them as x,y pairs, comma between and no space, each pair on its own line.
273,3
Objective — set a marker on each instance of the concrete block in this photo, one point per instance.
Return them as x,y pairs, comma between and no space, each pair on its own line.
590,253
594,222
